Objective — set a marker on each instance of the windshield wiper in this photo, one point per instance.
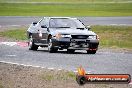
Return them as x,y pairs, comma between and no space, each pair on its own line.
62,27
81,28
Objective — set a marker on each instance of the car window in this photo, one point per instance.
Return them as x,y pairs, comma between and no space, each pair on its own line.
65,22
44,22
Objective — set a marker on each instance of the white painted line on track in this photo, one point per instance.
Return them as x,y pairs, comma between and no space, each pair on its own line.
14,25
50,68
22,44
118,24
113,24
59,69
23,65
11,55
8,43
7,62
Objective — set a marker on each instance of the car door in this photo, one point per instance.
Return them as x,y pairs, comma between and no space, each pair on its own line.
42,30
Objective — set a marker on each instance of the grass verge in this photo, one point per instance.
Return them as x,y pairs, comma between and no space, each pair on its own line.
114,36
75,1
15,34
1,85
71,9
110,36
59,75
18,76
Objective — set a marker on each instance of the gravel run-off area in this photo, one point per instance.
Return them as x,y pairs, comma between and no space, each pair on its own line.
18,76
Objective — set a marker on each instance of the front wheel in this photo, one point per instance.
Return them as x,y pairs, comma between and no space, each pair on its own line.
51,49
31,44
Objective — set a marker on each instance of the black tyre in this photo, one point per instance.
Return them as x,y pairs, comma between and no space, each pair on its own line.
91,51
31,44
70,50
51,49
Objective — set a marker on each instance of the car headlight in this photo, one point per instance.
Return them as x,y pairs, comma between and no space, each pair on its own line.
57,36
92,37
67,36
97,37
62,36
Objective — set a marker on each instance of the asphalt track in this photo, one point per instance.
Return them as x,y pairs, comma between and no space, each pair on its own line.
103,62
26,20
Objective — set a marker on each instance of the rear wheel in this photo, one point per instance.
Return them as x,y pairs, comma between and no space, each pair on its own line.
91,51
70,50
31,44
51,49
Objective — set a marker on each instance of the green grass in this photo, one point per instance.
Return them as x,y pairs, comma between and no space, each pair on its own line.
1,85
57,75
79,9
16,34
64,1
47,77
110,36
114,36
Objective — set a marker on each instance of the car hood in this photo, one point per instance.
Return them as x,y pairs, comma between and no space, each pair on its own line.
54,31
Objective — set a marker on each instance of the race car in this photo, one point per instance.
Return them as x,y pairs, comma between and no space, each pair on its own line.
58,33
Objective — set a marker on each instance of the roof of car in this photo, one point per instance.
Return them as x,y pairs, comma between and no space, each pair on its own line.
61,17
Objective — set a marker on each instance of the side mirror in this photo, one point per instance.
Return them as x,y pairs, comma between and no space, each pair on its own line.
43,26
88,27
34,23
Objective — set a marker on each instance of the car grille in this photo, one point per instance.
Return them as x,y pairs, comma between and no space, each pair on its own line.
79,36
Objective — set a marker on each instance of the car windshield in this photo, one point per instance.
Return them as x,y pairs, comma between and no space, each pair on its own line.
65,23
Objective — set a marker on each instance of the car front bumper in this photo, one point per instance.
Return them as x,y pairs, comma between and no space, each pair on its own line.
77,44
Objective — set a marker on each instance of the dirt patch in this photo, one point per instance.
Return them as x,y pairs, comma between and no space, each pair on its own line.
18,76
